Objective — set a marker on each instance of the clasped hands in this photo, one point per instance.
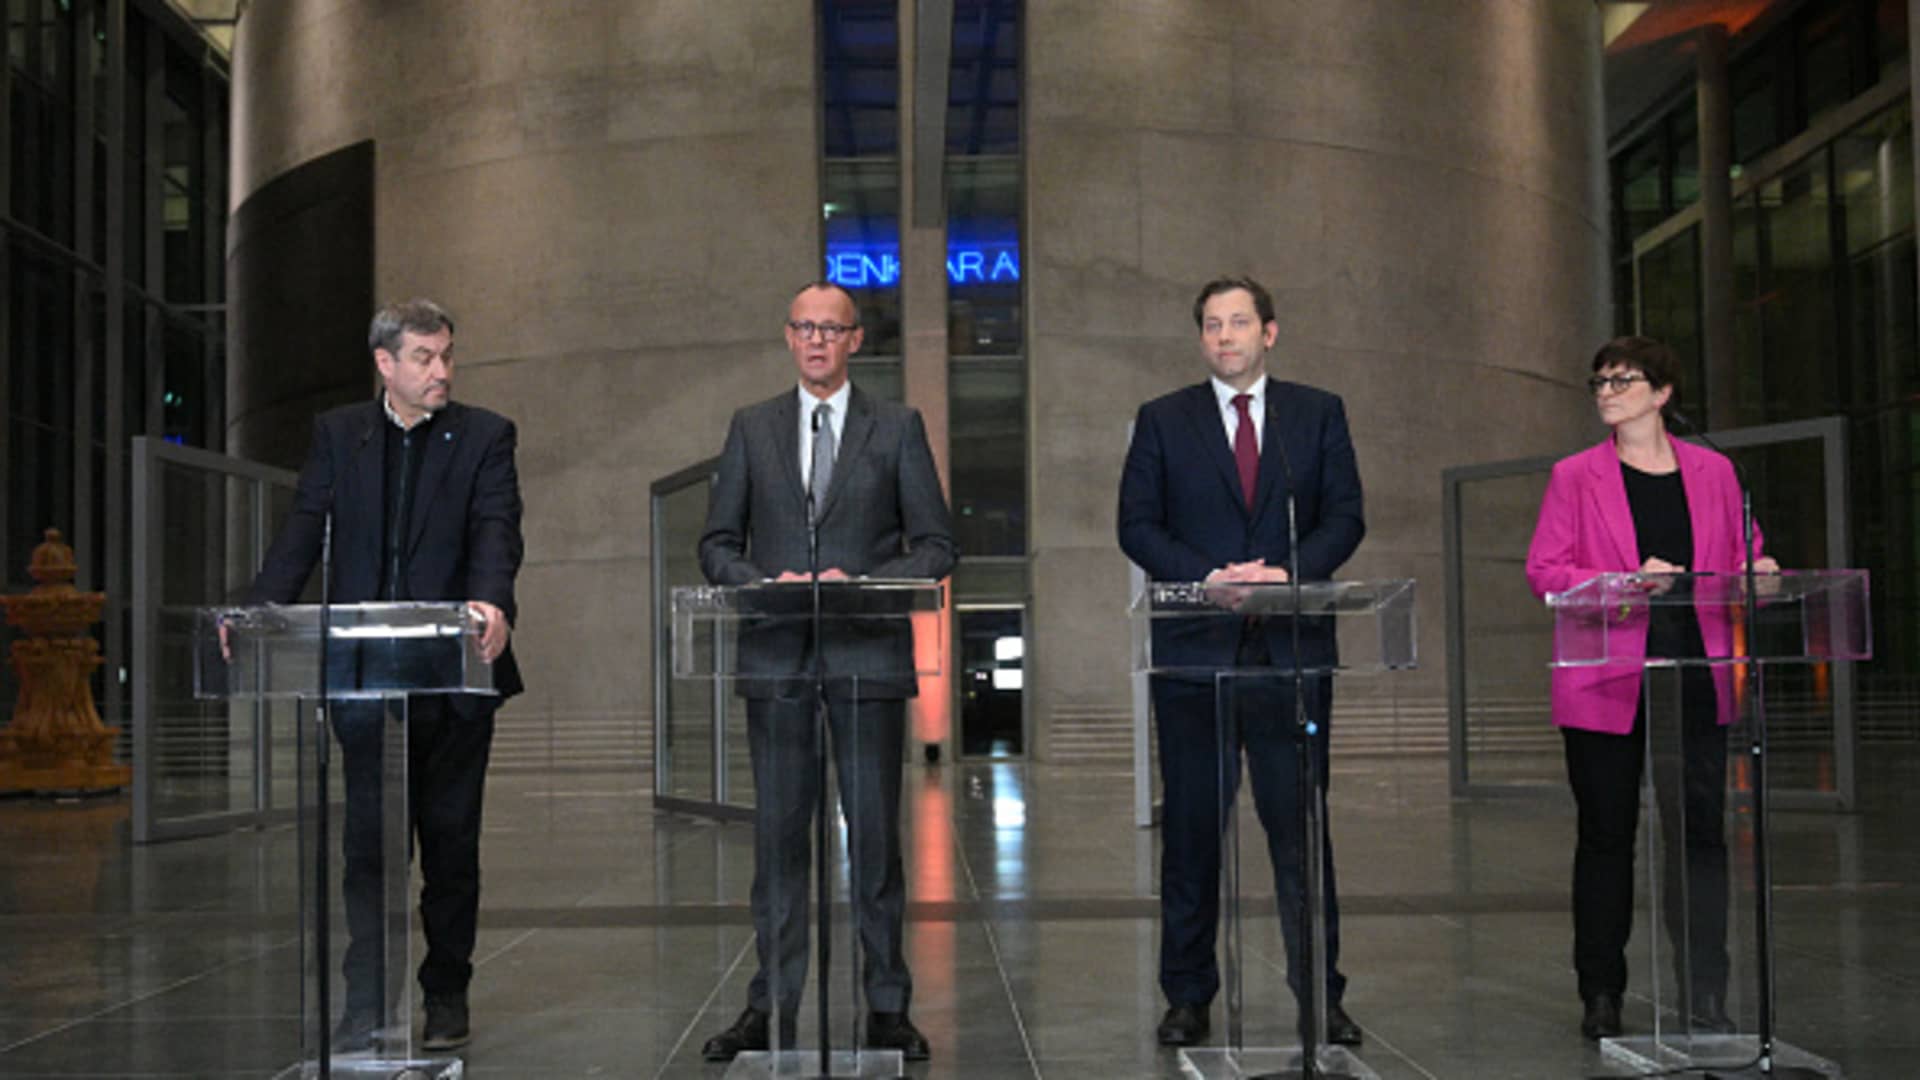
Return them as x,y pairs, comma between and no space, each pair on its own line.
1657,570
831,573
1228,586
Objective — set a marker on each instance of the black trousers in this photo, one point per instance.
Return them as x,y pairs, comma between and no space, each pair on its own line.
1196,790
1605,771
867,741
447,741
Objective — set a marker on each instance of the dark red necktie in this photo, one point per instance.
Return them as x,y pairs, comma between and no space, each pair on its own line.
1246,448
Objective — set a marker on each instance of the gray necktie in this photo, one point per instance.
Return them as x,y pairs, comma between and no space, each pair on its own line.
822,474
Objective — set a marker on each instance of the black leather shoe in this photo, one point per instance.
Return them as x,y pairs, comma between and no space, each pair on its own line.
354,1033
1602,1019
1184,1025
893,1031
446,1025
749,1032
1341,1030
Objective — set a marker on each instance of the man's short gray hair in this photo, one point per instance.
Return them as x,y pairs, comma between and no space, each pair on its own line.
420,316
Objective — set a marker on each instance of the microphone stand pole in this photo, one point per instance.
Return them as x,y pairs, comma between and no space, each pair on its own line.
1312,827
822,893
1757,752
321,884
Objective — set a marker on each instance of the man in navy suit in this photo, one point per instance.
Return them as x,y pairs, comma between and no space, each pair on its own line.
1204,498
425,502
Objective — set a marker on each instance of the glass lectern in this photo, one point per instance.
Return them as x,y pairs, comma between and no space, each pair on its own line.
1708,966
759,642
1338,629
357,955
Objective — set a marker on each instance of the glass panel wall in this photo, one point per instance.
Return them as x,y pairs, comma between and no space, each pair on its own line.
1825,323
860,181
1670,311
987,369
77,385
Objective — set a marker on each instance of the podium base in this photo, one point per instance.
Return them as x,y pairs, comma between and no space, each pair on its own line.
1271,1063
372,1067
805,1065
1726,1056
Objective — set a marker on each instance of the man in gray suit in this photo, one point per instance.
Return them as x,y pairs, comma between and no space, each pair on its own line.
861,471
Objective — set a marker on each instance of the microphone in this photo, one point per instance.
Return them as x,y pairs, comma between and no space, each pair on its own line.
1757,749
1293,555
323,710
1304,758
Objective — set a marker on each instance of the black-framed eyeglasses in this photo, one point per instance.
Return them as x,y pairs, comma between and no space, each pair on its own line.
829,331
1617,383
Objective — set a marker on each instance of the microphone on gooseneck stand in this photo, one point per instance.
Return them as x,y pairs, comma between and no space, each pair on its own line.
1303,770
322,917
822,894
1306,769
1757,753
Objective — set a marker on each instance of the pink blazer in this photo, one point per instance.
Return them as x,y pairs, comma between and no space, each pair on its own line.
1586,528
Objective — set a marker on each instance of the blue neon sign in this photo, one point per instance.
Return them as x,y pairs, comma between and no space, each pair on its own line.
869,266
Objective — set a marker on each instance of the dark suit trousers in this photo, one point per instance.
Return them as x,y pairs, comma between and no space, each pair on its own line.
780,735
1605,771
1198,784
447,748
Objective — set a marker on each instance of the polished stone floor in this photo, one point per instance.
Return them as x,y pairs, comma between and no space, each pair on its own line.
615,938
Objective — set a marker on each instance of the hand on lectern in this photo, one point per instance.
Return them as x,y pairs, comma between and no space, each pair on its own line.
832,573
1655,570
493,629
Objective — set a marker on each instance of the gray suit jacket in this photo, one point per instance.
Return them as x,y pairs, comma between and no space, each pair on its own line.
884,516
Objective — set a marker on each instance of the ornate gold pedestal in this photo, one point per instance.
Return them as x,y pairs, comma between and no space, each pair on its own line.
56,742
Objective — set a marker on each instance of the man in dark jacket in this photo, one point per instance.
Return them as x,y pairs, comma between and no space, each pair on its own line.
425,504
859,471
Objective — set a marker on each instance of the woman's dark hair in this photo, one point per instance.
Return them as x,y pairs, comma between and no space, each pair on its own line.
1649,357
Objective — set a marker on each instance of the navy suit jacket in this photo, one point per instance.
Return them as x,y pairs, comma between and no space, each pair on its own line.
464,531
1182,514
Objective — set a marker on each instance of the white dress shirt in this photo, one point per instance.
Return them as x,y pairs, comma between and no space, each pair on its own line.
837,403
1230,415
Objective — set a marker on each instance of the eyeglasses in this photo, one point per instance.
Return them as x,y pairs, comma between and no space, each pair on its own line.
829,331
1617,383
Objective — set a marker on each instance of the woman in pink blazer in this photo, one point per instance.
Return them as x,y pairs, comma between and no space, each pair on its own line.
1641,501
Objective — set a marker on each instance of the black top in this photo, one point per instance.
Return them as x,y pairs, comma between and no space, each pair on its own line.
1663,528
404,452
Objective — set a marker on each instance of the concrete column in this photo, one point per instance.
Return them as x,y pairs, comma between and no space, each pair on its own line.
1715,108
7,359
617,202
1913,93
1421,186
923,286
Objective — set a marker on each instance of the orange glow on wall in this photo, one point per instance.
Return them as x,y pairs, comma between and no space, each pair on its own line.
931,714
1681,18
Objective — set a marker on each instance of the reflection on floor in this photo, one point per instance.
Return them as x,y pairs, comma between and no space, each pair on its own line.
614,939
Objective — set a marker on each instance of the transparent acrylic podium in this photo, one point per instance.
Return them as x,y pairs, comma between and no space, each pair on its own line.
1372,623
757,642
1708,949
376,656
